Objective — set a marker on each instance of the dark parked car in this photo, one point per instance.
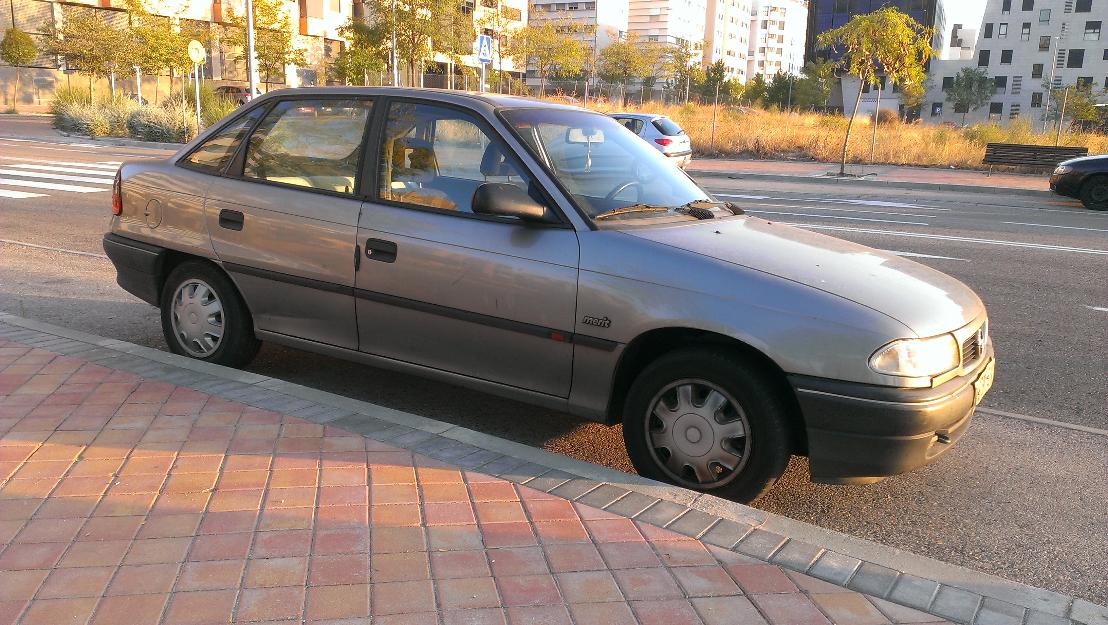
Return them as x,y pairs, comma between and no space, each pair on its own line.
1084,178
241,95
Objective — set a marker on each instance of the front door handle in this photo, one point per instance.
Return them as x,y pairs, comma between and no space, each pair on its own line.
381,250
231,220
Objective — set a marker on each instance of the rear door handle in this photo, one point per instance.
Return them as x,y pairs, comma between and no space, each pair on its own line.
231,220
380,250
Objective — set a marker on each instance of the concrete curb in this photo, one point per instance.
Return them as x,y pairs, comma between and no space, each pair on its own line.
864,182
108,141
954,593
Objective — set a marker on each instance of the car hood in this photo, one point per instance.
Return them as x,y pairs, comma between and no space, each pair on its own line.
1093,159
927,301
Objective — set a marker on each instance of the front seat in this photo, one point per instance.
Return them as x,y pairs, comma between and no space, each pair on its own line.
414,166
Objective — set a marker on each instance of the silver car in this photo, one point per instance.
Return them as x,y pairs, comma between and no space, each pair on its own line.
661,133
545,253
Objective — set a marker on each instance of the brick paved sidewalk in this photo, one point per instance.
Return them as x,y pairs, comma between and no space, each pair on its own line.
129,501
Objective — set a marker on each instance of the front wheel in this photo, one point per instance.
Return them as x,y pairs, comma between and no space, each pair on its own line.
203,316
708,421
1094,193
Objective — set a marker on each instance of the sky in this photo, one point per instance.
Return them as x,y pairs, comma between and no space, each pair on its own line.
965,12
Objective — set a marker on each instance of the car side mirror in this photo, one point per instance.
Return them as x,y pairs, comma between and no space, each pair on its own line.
508,200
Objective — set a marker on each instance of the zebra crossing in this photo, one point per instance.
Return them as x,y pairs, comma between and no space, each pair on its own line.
25,179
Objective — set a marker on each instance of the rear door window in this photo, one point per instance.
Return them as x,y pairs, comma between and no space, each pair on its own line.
214,154
668,127
309,143
632,124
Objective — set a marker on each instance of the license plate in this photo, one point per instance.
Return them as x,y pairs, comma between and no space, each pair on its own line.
984,382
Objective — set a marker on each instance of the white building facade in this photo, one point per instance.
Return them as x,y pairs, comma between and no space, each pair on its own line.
726,36
1027,47
777,37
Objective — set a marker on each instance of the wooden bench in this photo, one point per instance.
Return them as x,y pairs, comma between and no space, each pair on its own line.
1033,155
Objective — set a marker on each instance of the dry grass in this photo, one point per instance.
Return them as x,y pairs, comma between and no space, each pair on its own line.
754,133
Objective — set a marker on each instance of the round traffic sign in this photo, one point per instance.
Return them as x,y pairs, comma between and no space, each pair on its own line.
196,52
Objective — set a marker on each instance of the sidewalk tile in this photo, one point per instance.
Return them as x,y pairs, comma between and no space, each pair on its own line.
761,578
728,611
573,557
16,585
56,611
210,575
518,561
602,614
144,608
647,583
705,581
528,590
398,597
343,569
455,564
849,608
467,593
267,604
789,609
200,608
70,583
671,612
144,579
272,572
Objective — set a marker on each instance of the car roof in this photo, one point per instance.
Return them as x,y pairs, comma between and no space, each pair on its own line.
492,101
644,116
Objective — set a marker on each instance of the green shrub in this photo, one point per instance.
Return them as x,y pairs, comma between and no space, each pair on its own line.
213,106
81,118
117,110
70,95
154,123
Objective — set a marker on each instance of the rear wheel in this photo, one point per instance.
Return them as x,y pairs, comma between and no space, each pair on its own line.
203,316
1094,193
708,421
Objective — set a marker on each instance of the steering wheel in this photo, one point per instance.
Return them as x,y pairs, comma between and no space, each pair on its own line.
623,186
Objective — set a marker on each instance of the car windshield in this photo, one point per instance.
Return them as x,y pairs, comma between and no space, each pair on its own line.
604,166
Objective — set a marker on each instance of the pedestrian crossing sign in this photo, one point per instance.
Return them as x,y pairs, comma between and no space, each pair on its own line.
484,48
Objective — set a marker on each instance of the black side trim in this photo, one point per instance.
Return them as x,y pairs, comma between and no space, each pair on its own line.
138,266
277,276
553,334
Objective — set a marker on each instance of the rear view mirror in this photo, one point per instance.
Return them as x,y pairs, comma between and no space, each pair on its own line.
508,200
584,135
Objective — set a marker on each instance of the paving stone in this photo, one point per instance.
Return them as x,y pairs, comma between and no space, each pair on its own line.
574,488
477,459
913,591
835,568
549,481
727,533
797,555
1083,611
630,505
524,472
603,496
901,614
1036,617
995,612
955,604
760,544
661,513
693,523
873,579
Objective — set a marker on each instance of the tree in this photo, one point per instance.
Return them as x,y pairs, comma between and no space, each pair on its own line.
885,40
756,90
814,87
501,21
365,52
623,61
680,66
779,90
17,49
550,47
971,89
273,43
157,45
714,75
88,44
912,98
655,56
422,27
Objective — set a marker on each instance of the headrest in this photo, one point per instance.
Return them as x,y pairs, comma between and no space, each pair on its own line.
495,163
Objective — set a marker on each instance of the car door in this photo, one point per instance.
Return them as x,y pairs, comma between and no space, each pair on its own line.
488,297
284,219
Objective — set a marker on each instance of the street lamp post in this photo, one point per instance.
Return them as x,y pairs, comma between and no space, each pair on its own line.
252,62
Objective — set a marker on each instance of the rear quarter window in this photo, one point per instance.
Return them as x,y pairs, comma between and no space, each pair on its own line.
214,154
667,126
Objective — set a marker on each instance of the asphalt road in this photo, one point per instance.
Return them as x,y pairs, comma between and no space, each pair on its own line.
1020,499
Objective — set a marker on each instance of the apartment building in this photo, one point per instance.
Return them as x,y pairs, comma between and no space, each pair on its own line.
777,37
1027,46
668,21
726,36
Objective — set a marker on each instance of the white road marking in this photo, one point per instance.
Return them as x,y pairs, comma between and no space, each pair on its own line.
1100,308
19,195
51,249
859,202
832,208
68,170
945,237
112,165
916,255
887,221
53,176
49,185
1020,223
1040,420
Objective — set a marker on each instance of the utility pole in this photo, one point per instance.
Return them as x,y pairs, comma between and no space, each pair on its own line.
1058,128
715,107
876,118
1053,64
392,49
251,61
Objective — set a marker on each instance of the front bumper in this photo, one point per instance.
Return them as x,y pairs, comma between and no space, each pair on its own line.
859,433
1067,184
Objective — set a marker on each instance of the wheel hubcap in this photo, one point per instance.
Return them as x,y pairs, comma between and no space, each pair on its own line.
197,318
698,434
1100,193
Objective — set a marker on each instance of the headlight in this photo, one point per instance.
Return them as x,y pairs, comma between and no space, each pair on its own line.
917,358
1061,169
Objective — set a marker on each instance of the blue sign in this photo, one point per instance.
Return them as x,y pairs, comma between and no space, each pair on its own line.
484,48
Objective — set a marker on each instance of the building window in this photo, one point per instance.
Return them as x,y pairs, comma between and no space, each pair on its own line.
1002,31
936,109
1005,57
988,31
1014,112
1025,32
1083,6
1044,15
1037,70
1000,84
1028,5
983,59
1106,54
996,108
1076,59
1037,99
1006,7
1092,31
948,83
1044,43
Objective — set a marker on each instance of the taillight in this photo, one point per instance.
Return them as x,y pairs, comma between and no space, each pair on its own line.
117,195
663,141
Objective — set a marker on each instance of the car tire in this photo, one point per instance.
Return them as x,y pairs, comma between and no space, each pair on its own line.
205,318
736,450
1094,193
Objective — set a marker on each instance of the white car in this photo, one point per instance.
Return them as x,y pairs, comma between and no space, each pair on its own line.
660,132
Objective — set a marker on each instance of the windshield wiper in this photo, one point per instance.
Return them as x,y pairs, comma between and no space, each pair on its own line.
633,208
